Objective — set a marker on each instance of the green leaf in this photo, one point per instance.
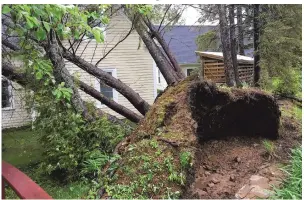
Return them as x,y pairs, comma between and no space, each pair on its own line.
6,9
29,23
40,33
39,75
47,26
98,34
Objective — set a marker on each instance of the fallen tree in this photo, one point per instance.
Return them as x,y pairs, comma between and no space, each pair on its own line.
156,159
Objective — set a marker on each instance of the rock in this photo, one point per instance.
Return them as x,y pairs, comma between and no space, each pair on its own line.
259,181
237,159
200,193
242,193
215,180
207,167
210,184
207,173
275,183
258,192
232,178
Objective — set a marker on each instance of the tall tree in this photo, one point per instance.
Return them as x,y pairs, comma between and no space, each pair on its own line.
233,45
256,41
240,40
226,46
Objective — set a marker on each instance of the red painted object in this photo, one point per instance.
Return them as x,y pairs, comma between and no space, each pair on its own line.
23,185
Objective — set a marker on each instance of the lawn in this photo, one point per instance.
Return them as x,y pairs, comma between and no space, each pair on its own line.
21,148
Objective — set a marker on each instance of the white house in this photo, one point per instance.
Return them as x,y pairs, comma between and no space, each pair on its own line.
129,62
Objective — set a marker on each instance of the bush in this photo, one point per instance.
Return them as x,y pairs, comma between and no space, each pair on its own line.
73,146
288,83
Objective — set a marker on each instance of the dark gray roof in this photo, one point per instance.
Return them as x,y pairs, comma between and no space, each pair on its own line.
181,40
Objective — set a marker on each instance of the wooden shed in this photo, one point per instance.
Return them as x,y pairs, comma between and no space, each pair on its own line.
213,67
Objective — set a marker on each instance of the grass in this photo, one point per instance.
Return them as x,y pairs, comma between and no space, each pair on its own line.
21,148
292,188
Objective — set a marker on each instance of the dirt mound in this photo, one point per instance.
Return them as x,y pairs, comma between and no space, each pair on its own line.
233,112
163,158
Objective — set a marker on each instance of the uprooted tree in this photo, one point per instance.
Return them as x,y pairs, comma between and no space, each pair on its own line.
189,111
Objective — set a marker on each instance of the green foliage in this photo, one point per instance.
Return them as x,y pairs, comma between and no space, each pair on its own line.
185,159
292,188
207,41
269,146
281,48
72,145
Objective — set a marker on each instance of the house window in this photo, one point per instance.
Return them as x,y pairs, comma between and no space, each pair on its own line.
158,76
189,71
107,91
6,94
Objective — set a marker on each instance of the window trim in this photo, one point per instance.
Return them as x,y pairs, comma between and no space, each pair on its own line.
10,90
97,87
186,70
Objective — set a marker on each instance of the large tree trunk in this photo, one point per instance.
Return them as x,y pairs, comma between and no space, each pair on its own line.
166,49
240,30
233,45
61,74
109,102
141,105
171,76
226,46
9,71
23,79
256,41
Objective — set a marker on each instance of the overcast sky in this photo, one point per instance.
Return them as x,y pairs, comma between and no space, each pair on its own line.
191,15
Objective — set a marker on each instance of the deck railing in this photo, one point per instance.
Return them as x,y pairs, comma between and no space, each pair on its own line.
22,185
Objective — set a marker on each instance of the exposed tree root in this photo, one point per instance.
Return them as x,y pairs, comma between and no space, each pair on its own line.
155,159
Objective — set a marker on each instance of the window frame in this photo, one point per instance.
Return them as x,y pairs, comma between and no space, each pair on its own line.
10,91
97,87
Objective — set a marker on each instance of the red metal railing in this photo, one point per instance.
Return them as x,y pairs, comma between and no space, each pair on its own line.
23,185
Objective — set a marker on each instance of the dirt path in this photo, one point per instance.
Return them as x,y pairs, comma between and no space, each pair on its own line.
224,166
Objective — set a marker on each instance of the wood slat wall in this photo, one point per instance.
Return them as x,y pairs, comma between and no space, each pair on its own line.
215,71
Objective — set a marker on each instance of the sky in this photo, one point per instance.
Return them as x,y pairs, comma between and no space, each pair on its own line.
191,16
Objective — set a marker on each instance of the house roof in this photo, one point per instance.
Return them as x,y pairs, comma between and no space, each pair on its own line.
181,41
219,55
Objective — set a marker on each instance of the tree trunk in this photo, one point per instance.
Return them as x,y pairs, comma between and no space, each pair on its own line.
256,41
229,71
61,74
141,105
109,102
233,45
166,49
21,78
169,73
240,30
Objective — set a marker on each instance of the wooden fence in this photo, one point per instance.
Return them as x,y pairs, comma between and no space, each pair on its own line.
215,71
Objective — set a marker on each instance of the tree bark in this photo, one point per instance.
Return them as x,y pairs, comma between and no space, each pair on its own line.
226,46
233,45
109,102
166,49
157,54
256,41
61,74
240,30
141,105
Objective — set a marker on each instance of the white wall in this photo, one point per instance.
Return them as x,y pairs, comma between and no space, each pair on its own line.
17,115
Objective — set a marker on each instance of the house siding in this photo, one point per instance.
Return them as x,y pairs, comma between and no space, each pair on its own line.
17,116
131,59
